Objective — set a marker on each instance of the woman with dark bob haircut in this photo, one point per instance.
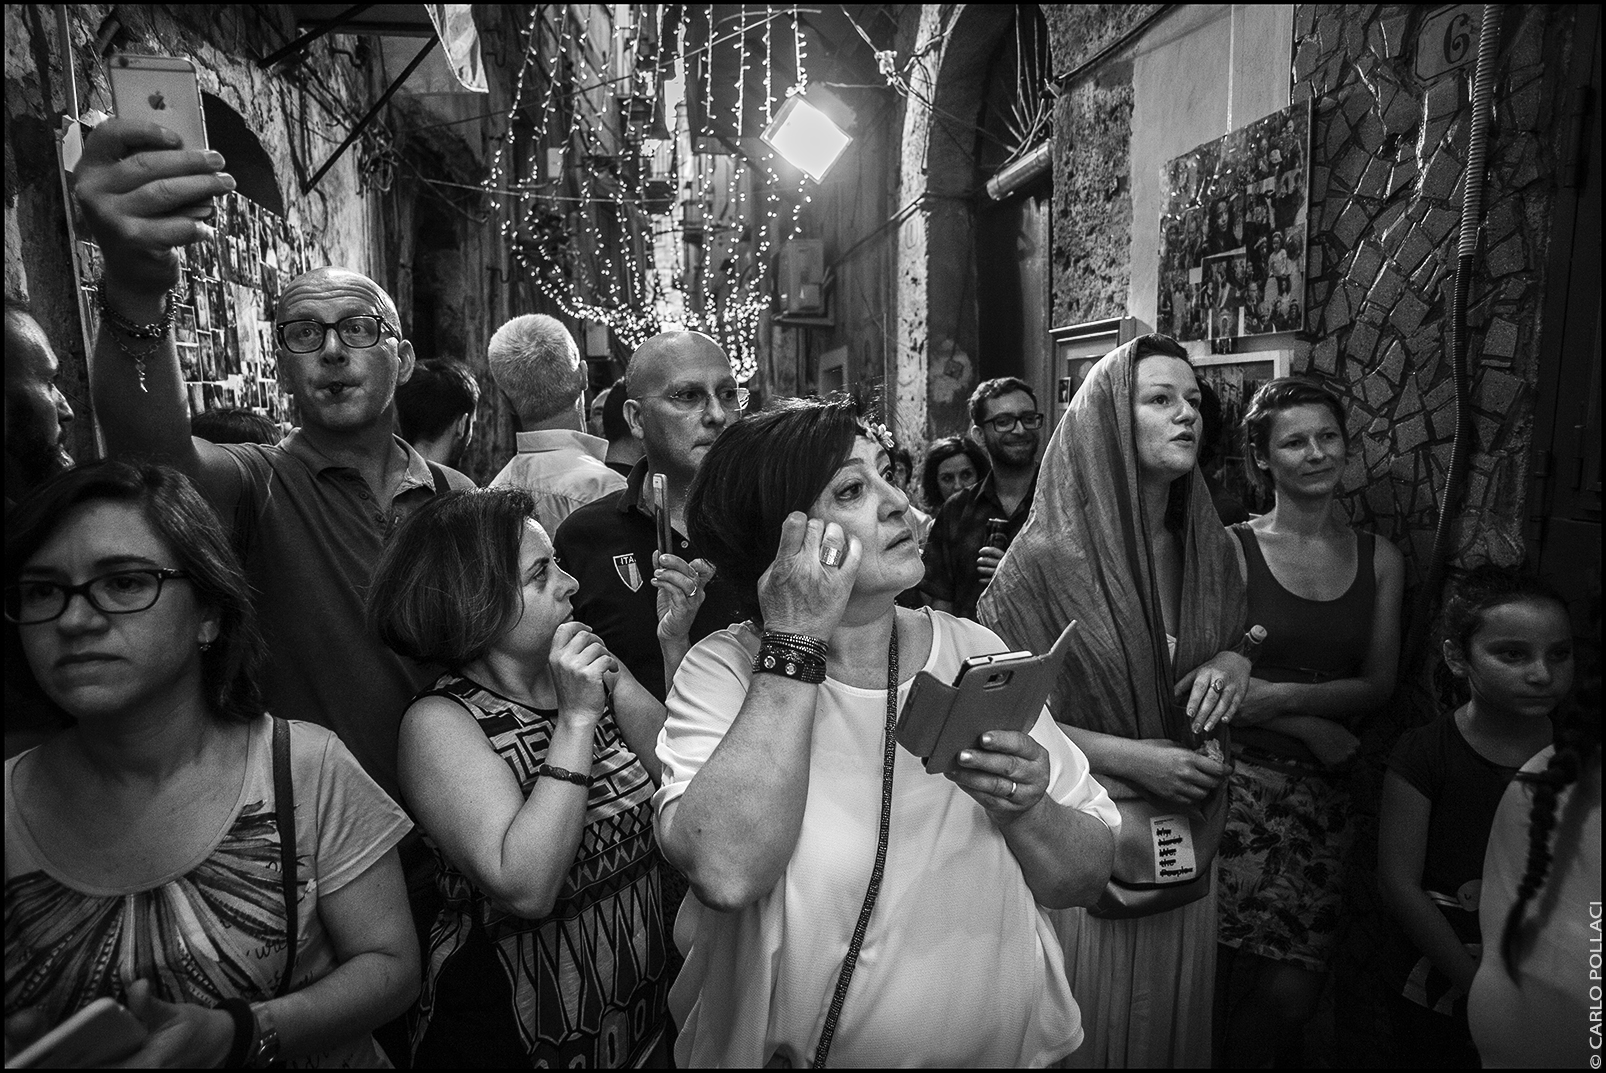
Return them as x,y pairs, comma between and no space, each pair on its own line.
1329,598
777,751
529,764
953,464
143,846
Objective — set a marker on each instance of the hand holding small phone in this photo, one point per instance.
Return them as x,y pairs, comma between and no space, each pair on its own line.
99,1034
660,500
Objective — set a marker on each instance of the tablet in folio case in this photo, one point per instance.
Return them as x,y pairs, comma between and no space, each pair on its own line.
1006,692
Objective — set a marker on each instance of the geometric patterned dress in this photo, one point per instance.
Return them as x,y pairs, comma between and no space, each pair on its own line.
585,985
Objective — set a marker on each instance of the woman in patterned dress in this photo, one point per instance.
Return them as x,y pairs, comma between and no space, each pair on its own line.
530,766
1329,598
142,846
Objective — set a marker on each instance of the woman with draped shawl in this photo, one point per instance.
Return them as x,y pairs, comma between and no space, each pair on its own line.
1123,538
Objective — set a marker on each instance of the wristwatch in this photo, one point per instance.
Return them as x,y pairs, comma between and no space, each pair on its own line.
264,1049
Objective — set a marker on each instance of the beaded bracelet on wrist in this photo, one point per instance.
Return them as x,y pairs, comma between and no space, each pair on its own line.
155,332
812,645
563,774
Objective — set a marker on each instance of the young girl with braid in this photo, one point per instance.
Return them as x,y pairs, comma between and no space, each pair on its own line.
1541,897
1508,639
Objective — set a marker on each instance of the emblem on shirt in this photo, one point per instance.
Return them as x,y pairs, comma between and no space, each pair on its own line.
625,566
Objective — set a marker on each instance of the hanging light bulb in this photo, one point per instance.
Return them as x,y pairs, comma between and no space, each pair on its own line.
806,137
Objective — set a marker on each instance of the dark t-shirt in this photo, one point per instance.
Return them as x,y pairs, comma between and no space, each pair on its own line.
608,546
310,531
960,531
1463,791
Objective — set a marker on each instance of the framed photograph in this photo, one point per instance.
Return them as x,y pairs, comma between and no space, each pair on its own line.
184,330
1234,379
1233,232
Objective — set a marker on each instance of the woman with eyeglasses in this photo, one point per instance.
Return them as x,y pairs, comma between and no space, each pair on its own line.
144,852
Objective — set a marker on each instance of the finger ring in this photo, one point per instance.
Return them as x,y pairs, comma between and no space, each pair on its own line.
693,591
831,555
1013,785
1218,685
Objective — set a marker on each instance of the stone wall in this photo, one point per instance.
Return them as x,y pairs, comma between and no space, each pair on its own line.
1092,225
1388,156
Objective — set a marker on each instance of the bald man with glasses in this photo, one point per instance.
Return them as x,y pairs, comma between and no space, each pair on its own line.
680,395
310,514
961,551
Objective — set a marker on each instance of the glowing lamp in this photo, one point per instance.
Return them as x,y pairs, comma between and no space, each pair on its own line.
806,137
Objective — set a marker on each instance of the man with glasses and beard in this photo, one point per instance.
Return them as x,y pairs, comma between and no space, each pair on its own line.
961,554
680,394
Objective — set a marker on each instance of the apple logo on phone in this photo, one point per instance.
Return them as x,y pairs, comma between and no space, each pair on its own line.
158,102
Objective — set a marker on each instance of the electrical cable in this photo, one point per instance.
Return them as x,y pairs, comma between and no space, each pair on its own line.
1455,482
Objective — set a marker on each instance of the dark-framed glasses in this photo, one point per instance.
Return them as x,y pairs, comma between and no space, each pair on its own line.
121,592
359,331
1004,422
694,399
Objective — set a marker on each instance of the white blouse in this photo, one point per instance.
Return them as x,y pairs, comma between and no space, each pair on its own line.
960,966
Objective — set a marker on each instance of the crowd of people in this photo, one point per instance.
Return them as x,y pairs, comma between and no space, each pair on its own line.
318,754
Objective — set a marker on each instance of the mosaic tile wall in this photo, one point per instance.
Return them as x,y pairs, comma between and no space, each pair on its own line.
1388,150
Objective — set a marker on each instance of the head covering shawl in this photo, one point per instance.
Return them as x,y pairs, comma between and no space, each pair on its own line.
1084,554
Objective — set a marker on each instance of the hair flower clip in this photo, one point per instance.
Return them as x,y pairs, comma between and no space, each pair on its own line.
879,432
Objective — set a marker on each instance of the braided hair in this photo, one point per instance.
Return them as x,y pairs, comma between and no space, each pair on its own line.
1577,746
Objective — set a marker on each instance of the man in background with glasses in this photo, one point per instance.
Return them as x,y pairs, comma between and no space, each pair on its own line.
973,527
536,364
680,394
310,514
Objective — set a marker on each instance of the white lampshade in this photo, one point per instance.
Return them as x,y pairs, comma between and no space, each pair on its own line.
806,137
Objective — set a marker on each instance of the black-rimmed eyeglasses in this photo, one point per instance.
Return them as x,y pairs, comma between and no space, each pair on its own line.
359,331
1004,422
29,603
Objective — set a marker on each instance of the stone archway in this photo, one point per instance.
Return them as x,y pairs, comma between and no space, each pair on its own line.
935,277
936,287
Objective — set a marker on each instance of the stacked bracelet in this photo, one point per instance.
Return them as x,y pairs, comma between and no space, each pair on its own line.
245,1030
791,655
565,774
155,332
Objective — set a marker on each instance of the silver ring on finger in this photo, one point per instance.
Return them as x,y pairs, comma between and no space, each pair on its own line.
693,591
1218,685
832,555
1013,786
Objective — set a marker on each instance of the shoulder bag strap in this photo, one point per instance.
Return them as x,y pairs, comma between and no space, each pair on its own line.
874,889
442,485
284,811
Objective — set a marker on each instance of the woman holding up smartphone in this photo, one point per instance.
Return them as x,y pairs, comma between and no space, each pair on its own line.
847,906
143,846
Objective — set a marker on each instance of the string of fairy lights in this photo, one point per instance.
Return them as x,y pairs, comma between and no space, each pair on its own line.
583,231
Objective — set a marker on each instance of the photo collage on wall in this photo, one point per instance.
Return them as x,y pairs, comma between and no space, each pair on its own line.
224,325
1233,232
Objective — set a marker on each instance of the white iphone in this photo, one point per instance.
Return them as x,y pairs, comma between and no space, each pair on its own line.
162,90
99,1034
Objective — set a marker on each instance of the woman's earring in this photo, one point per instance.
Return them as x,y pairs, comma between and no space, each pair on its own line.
206,646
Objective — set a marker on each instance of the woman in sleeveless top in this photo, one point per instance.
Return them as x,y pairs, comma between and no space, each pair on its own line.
530,767
1329,598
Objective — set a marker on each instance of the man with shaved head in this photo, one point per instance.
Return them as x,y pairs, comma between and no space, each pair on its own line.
310,514
37,413
534,361
680,394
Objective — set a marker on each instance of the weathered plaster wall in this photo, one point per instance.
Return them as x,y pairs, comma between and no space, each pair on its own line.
1389,152
296,125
